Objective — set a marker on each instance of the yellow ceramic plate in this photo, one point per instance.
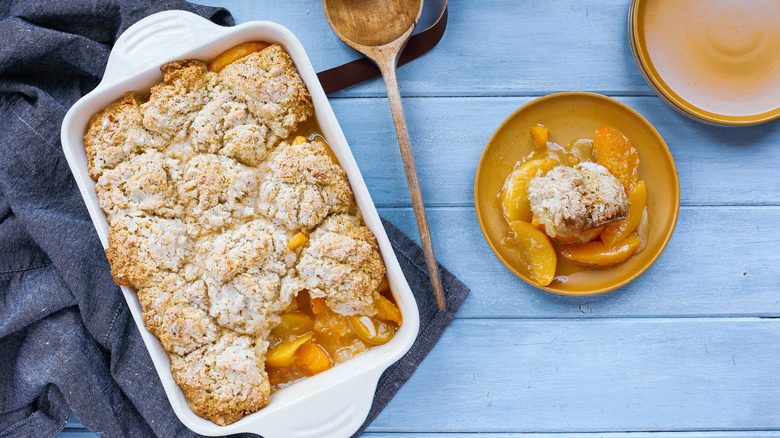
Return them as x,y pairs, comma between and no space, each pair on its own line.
716,61
573,116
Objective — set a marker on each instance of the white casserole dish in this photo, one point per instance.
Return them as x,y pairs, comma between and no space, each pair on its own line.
334,403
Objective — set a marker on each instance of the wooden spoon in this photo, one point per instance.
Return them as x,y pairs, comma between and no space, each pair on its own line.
379,29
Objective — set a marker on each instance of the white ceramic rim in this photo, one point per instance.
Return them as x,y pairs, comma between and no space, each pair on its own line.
334,403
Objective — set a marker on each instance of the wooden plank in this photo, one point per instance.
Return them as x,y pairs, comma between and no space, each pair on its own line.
740,434
71,433
606,375
720,261
84,433
73,423
544,47
716,166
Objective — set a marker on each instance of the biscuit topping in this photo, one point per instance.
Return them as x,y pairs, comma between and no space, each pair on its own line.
204,190
570,200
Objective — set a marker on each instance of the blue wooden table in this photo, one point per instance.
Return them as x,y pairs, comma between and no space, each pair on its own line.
690,349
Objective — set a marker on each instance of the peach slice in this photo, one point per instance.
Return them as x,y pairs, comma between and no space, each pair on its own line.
234,53
312,359
371,330
514,194
318,305
385,309
540,252
617,231
283,355
614,151
293,323
384,285
540,134
597,253
642,230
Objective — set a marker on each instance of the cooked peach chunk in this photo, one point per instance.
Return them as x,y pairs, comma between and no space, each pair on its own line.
318,305
297,241
642,230
540,252
234,53
540,134
597,253
283,355
371,330
617,231
312,359
299,140
514,194
614,151
293,324
385,309
384,285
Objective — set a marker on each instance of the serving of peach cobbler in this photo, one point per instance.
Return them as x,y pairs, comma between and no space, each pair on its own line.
234,222
582,204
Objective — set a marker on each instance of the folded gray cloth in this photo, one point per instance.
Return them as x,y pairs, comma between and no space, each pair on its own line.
67,338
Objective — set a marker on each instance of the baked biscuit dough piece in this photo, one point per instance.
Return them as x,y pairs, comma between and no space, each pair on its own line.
175,312
115,134
224,126
569,200
304,185
142,250
214,189
226,380
343,265
272,89
142,183
250,302
255,246
184,328
173,104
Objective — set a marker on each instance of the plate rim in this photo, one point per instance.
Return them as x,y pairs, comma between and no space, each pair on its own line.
667,94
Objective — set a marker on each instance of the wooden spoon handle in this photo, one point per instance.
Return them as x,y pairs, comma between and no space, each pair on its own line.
394,96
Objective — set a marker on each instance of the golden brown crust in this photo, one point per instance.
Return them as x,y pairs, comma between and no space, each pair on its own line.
343,265
570,200
224,381
175,312
143,182
115,134
142,250
304,186
188,73
272,89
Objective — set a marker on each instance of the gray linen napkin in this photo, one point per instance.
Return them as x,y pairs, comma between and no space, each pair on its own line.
67,338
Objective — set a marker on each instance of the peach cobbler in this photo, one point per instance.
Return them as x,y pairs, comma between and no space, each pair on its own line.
576,207
234,222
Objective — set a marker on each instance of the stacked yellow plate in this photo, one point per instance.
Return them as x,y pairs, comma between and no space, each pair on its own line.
715,61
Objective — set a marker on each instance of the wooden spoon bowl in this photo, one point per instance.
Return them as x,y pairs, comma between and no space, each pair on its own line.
372,23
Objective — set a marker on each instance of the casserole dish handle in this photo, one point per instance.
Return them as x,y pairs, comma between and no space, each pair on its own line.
151,41
336,411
